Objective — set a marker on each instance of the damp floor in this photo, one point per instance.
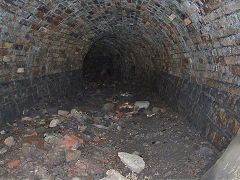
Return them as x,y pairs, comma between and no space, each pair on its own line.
79,137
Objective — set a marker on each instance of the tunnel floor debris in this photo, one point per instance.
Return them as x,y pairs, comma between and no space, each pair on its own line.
81,138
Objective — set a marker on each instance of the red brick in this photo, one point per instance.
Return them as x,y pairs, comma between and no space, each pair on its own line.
231,60
236,70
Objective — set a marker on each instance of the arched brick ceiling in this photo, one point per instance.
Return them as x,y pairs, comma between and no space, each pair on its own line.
181,37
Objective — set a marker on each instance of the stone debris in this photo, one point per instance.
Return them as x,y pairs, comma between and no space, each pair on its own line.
76,178
52,138
2,132
100,126
126,94
54,123
82,128
20,70
132,161
13,163
73,112
83,143
113,175
72,155
9,141
126,105
63,113
141,104
119,128
71,142
26,118
204,151
78,115
3,150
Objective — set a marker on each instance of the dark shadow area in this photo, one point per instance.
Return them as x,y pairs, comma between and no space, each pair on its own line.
108,60
99,69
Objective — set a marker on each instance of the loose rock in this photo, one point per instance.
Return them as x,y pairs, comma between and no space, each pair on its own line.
72,155
141,104
82,128
76,178
71,142
54,123
52,139
100,126
63,113
204,151
26,118
3,150
74,111
9,141
113,175
132,161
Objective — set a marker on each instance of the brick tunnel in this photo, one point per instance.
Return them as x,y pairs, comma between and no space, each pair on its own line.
186,53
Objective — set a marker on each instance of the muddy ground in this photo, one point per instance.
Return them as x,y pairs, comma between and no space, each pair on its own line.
83,140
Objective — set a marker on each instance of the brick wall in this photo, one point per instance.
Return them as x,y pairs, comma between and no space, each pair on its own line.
195,41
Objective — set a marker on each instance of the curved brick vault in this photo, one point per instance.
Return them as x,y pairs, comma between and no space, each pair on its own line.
190,49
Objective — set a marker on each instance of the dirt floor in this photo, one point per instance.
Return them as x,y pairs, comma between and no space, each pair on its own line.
80,138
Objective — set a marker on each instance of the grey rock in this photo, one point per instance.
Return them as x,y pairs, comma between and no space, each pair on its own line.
141,104
76,178
63,113
113,175
52,138
132,161
82,128
3,150
2,132
72,155
9,141
204,151
54,123
100,126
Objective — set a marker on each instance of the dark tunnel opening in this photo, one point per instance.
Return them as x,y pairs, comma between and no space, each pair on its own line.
98,68
108,60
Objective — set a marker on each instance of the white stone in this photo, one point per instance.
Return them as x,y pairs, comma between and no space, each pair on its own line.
6,59
172,17
26,118
74,111
113,175
20,70
54,123
52,139
132,161
63,113
141,104
9,141
76,178
3,132
3,150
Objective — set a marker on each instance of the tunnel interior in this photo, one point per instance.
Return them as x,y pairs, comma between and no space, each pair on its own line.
107,60
75,70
